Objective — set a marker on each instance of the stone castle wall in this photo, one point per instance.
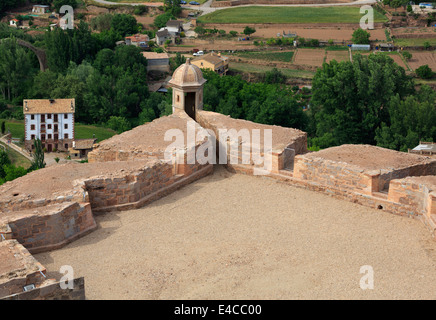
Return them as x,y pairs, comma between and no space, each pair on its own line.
53,229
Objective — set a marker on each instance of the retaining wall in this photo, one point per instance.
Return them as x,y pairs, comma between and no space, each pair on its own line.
54,228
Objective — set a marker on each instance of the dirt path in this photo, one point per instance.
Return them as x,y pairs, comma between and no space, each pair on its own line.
240,237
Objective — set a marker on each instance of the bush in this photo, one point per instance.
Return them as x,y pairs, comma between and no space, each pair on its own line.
56,159
360,36
424,72
161,20
233,33
140,10
407,55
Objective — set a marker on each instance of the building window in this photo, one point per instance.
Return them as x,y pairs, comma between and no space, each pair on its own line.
65,116
55,118
66,146
49,126
32,117
56,137
49,136
42,117
43,127
49,116
178,98
32,137
42,137
66,126
32,127
66,136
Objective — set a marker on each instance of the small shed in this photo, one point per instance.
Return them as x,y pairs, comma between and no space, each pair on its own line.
387,47
81,147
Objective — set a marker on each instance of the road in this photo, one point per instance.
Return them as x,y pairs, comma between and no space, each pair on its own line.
16,148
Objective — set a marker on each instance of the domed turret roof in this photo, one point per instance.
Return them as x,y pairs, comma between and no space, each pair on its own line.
187,75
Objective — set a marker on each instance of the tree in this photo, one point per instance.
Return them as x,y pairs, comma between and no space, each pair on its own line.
124,24
233,33
248,30
102,22
350,99
140,10
407,55
57,4
274,76
38,156
360,36
3,127
161,20
178,60
424,72
173,7
118,124
15,69
410,120
4,161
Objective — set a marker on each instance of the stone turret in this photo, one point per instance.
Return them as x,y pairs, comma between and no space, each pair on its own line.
187,83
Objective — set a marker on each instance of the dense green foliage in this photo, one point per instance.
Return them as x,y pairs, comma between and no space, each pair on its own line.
360,36
8,171
424,72
38,156
370,100
258,102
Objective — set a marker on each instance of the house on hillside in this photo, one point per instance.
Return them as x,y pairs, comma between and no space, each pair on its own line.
174,27
51,121
14,23
157,61
212,61
40,9
163,35
138,40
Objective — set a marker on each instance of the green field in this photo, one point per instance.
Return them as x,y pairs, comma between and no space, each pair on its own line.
82,131
16,158
339,14
252,68
412,42
284,56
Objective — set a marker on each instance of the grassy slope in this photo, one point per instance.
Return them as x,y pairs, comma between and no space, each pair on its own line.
16,158
253,14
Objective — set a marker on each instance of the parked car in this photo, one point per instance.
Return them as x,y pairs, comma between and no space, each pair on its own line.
183,2
195,3
198,53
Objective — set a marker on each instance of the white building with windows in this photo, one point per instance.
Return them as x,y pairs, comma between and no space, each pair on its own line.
50,120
